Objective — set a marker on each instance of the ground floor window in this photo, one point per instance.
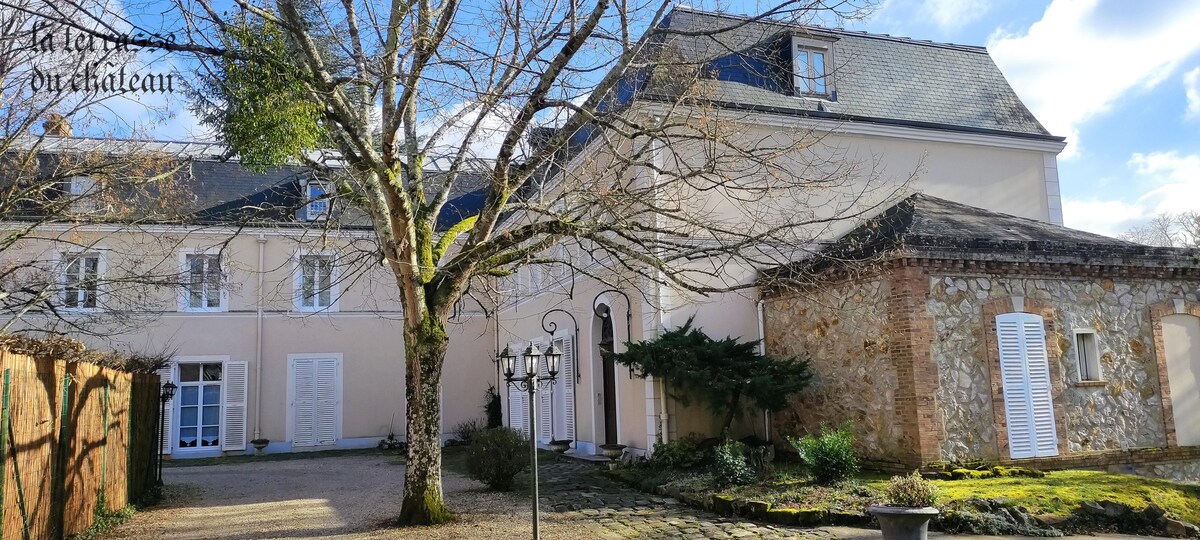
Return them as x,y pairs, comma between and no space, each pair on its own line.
200,405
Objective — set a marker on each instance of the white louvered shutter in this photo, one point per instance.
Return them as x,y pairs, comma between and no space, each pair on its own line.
1025,373
566,389
233,426
327,384
304,402
518,410
545,413
167,423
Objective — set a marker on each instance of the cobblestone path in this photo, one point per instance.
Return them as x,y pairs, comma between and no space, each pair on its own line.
577,490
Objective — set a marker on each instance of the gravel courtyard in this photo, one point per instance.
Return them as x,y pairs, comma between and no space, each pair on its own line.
353,497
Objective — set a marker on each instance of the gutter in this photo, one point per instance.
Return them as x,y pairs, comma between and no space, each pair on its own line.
258,339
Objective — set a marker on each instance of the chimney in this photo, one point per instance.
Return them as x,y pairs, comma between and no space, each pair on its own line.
56,126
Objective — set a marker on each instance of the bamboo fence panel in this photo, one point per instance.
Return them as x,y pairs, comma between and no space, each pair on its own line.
78,438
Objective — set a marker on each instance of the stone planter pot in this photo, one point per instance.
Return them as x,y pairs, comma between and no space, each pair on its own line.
259,446
903,522
612,451
561,445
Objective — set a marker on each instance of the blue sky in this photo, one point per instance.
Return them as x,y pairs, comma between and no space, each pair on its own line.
1120,79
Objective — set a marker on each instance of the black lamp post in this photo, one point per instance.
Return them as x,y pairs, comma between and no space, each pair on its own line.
168,392
529,381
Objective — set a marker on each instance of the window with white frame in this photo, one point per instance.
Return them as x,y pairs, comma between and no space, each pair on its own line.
1087,352
202,289
810,65
315,282
318,206
83,194
81,280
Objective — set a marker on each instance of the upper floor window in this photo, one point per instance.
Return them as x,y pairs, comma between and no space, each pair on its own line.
318,206
81,280
810,67
315,288
83,194
202,282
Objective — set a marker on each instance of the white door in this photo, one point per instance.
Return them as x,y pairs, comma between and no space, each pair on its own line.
199,405
1025,373
1181,339
315,391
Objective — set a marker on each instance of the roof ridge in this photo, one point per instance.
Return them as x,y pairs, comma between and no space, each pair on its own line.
858,33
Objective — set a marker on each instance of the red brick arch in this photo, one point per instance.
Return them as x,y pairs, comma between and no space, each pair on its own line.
991,309
1157,312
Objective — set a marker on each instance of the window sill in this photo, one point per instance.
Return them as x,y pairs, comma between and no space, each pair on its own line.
1091,384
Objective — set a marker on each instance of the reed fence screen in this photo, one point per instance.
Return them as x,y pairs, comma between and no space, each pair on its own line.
74,437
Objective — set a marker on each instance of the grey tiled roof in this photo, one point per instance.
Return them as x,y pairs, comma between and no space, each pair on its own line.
925,226
876,77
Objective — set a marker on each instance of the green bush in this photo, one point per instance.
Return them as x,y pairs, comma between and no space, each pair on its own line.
911,490
681,453
830,457
730,466
467,430
496,456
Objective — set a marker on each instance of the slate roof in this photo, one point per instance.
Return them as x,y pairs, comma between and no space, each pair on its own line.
219,191
877,78
930,227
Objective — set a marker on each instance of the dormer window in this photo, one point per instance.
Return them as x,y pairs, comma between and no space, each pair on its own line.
318,206
83,194
810,67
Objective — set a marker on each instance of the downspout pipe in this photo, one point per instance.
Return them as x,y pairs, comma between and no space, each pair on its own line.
762,349
262,245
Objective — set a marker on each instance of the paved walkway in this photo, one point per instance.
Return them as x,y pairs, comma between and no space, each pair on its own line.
354,497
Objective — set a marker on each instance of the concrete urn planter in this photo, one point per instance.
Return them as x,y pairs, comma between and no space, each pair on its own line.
903,522
259,446
612,451
560,445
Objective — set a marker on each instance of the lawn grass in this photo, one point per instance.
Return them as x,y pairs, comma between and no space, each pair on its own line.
1061,492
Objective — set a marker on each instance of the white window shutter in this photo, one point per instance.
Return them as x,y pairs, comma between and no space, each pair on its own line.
167,423
518,410
326,395
304,402
233,426
566,385
545,408
1041,399
1025,373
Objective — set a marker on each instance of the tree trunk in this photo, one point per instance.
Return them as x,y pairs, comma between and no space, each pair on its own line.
424,351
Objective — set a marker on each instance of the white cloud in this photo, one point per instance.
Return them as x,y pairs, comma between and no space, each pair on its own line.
1080,58
1191,85
1172,184
953,14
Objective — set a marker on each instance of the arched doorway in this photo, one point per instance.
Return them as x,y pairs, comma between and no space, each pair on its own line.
1181,341
608,374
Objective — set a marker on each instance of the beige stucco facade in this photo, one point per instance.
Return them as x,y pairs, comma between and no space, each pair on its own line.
362,331
998,173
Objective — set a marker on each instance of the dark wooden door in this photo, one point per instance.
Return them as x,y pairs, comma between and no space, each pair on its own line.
610,382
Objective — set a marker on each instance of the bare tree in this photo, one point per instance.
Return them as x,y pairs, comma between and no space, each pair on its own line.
605,152
1167,230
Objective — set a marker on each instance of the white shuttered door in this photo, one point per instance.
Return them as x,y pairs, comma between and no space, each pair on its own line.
234,406
564,392
518,409
167,424
316,396
1025,372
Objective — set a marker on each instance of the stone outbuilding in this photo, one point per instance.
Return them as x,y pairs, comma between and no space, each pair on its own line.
944,332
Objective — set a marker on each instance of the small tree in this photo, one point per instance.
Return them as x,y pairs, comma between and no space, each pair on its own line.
728,374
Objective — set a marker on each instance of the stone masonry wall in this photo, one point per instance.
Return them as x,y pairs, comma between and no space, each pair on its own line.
843,331
1125,411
